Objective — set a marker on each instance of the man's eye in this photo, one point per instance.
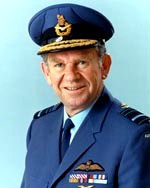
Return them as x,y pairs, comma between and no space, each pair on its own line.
83,64
59,65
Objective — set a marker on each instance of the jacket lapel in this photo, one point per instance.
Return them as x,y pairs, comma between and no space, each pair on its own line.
52,140
75,150
91,125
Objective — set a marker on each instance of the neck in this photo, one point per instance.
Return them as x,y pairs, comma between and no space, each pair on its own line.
71,112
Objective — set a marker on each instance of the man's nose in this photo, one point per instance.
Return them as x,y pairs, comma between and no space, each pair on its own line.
71,73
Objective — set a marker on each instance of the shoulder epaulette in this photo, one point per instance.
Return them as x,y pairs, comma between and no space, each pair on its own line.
135,115
46,111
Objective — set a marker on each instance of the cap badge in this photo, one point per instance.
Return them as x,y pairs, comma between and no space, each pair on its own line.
89,166
63,28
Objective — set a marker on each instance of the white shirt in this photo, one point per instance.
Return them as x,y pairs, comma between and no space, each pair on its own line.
77,120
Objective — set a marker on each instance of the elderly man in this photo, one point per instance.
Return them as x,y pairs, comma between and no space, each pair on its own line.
89,139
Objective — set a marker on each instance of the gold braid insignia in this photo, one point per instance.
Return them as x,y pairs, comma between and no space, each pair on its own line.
67,44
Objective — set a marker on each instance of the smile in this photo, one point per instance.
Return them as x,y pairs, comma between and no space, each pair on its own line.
73,88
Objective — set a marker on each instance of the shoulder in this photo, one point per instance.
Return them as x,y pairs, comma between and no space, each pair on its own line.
119,112
47,111
133,115
125,121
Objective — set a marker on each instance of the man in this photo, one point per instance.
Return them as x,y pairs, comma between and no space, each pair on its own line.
105,143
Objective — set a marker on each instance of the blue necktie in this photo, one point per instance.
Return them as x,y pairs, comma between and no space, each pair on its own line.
66,135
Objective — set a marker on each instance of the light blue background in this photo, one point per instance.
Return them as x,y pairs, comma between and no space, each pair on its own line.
23,89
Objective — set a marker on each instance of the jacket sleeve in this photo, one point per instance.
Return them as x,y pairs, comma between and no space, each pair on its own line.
28,138
134,171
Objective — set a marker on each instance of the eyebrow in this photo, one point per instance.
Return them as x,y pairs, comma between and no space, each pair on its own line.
58,60
55,60
83,56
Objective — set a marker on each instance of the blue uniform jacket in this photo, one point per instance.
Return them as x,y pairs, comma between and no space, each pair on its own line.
110,150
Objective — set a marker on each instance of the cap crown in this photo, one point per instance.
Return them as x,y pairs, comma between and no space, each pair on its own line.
84,23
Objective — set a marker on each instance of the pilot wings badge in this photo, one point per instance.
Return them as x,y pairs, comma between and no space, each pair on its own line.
89,166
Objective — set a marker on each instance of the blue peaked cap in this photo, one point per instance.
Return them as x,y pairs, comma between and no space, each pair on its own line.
68,26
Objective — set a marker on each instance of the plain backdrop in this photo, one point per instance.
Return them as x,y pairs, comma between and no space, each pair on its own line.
23,90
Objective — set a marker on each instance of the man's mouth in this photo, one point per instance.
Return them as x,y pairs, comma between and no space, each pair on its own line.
73,88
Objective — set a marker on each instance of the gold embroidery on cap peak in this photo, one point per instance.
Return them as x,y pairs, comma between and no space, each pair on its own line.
63,28
66,44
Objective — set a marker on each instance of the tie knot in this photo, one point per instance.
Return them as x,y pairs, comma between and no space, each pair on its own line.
68,125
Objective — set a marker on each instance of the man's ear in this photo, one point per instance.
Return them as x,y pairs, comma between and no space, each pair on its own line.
46,72
106,64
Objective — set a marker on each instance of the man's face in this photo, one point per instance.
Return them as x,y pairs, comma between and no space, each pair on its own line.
76,77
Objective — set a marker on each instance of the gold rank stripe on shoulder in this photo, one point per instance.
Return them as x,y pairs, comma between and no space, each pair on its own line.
135,115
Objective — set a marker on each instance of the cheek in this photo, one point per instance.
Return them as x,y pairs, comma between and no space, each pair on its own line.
52,77
94,77
46,73
54,80
48,78
49,81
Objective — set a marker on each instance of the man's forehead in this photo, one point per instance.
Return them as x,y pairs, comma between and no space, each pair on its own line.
84,53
